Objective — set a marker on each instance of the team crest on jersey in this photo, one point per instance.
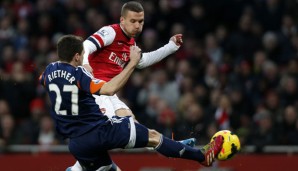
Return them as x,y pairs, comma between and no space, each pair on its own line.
124,56
103,33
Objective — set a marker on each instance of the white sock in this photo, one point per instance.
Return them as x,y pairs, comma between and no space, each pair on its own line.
76,167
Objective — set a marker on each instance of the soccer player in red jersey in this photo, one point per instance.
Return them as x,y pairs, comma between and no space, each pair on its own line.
107,53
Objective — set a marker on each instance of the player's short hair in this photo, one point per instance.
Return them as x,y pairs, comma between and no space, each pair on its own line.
68,46
131,6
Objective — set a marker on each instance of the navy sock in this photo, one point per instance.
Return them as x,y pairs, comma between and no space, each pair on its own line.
171,148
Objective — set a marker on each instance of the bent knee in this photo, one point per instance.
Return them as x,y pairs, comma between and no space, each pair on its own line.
124,112
154,138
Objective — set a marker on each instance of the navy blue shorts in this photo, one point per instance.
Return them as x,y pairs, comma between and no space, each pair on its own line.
91,149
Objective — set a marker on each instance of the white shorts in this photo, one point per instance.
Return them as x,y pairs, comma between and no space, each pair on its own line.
109,104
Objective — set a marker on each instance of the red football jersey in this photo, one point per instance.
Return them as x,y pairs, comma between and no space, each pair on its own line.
112,51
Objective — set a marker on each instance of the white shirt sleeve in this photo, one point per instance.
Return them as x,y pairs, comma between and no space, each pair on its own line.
103,37
153,57
89,48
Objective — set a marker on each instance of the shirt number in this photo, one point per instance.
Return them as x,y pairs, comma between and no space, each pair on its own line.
73,89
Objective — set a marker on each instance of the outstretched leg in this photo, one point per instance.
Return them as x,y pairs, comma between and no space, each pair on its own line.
171,148
77,167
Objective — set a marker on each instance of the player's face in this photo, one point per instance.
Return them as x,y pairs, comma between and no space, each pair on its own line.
132,23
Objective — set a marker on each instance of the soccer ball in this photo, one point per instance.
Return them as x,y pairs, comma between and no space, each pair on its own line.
230,146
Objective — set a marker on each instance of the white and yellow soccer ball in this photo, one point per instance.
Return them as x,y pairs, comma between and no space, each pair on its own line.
230,146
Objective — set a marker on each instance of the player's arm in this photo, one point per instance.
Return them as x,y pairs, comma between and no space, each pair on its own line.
153,57
103,37
111,87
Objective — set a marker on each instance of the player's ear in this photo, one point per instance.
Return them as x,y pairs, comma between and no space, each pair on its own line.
77,57
122,20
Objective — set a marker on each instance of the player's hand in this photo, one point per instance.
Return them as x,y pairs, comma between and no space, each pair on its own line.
177,39
88,68
135,54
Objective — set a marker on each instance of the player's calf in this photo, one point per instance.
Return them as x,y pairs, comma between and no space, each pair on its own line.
171,148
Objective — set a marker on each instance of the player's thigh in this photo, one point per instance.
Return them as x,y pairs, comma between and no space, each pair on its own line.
117,103
124,112
123,132
121,109
90,151
105,105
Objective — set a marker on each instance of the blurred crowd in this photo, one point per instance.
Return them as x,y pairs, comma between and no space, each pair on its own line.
237,68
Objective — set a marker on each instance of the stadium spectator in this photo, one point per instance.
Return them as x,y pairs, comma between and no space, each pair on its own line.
9,134
47,135
288,126
30,127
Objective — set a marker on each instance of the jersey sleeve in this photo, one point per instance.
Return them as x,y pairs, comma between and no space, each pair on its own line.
103,37
88,83
153,57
